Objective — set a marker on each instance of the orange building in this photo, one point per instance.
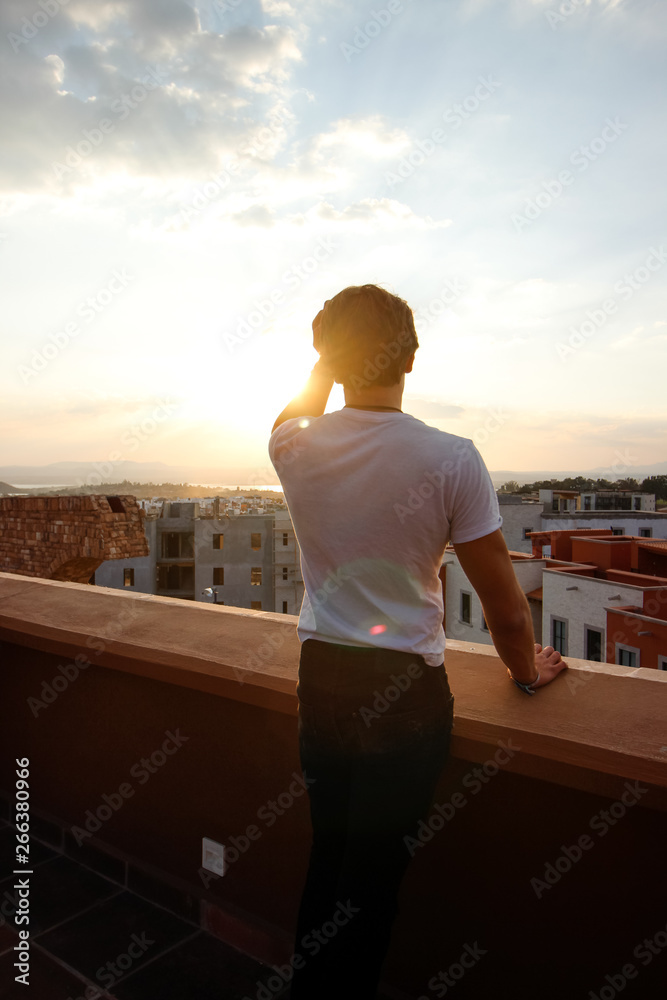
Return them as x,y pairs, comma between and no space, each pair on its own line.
636,633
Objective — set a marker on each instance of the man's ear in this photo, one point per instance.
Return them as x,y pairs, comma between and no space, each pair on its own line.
409,363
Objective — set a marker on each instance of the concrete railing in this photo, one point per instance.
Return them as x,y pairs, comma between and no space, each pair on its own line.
93,678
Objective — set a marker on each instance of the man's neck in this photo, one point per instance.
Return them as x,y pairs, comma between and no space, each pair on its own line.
376,395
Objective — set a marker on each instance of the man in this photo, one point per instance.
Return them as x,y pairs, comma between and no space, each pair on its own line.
375,495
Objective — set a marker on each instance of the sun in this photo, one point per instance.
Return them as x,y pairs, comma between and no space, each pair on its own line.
248,387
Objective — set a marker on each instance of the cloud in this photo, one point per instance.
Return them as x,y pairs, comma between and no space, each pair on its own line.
278,8
637,339
112,407
251,56
134,89
351,152
385,213
256,215
431,409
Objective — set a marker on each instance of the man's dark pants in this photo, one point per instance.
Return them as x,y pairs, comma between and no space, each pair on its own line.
374,732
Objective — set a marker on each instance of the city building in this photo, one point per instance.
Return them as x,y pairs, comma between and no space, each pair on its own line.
593,595
287,579
222,552
520,515
623,512
464,617
570,501
613,604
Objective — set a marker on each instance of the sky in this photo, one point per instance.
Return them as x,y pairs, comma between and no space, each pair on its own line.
182,186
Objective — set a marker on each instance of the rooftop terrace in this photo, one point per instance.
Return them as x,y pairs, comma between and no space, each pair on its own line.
178,721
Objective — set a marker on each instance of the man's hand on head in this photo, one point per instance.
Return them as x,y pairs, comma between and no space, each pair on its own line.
312,400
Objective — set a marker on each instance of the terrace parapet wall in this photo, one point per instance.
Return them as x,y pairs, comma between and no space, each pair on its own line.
93,680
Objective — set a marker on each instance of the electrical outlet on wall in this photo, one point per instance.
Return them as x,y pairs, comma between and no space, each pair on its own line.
213,856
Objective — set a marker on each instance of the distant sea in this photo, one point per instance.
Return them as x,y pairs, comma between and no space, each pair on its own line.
207,486
255,486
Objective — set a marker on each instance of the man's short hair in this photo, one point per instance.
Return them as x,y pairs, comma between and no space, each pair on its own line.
367,336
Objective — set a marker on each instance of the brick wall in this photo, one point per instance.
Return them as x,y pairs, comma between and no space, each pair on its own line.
67,538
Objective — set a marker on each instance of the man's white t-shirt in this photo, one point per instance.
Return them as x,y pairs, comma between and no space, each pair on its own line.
374,498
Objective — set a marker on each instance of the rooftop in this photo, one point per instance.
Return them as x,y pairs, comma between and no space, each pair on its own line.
536,775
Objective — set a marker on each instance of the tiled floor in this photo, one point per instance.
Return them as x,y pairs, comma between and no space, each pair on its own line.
92,940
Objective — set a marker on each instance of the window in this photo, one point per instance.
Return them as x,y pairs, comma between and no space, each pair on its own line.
256,576
177,545
617,531
128,578
559,635
637,503
646,532
466,608
526,533
175,577
554,504
285,612
218,540
627,656
174,510
285,538
593,644
116,505
255,605
485,627
285,573
219,576
256,540
587,503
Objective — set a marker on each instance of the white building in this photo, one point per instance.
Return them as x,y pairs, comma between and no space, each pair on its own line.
634,514
568,501
568,602
464,618
520,517
644,524
574,619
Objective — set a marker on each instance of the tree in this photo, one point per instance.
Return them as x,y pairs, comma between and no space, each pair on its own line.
657,485
511,486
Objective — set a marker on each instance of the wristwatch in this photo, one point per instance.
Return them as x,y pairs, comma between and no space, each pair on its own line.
528,688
